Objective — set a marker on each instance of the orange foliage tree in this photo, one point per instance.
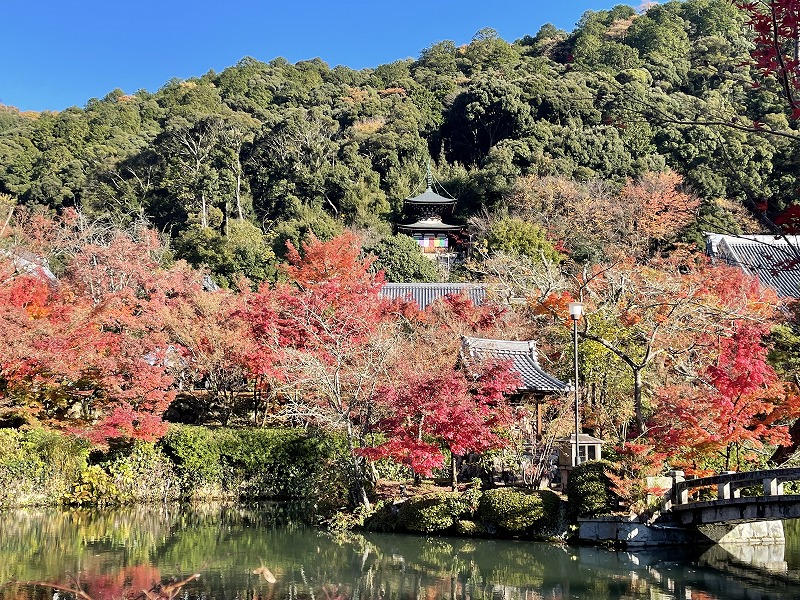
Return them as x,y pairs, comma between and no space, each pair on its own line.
89,350
671,311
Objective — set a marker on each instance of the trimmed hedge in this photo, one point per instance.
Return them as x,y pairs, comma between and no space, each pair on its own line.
39,467
516,510
431,513
589,490
258,463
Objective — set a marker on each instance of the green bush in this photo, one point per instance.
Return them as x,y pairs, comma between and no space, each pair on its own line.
471,528
271,462
94,487
427,514
38,466
466,504
516,510
260,463
46,467
143,473
589,490
195,453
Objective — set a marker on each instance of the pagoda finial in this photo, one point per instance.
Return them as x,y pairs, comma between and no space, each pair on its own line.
429,175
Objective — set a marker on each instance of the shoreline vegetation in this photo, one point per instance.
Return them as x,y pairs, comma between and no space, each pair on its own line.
196,464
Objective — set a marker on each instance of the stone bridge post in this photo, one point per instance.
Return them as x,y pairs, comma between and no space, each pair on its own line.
773,487
675,496
725,491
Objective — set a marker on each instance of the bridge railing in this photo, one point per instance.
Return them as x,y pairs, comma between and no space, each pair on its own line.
728,485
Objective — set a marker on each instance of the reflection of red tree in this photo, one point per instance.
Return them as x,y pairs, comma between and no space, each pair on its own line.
128,582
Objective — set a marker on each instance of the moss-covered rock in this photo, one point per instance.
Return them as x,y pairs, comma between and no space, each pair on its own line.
383,517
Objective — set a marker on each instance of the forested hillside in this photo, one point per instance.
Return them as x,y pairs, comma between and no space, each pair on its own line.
233,164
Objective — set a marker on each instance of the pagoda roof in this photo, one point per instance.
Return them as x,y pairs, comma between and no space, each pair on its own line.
433,225
430,197
525,361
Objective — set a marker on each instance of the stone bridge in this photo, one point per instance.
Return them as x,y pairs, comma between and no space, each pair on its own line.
729,508
731,498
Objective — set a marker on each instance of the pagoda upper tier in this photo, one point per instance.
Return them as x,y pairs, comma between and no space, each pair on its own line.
430,230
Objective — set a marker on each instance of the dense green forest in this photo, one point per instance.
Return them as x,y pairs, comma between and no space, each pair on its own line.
231,165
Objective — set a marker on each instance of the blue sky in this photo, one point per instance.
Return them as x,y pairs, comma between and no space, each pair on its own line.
61,53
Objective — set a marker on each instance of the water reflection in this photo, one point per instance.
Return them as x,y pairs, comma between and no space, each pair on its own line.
262,553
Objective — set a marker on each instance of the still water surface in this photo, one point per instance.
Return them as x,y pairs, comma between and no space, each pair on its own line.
262,553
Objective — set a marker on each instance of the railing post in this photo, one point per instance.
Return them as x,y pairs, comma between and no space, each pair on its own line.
724,488
773,487
678,496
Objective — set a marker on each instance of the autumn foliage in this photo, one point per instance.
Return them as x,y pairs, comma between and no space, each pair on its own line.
105,348
776,27
461,410
739,408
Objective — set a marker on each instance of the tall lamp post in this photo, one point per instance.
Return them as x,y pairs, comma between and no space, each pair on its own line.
575,313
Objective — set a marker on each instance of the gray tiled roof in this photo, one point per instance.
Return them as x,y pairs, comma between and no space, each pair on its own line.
525,359
772,260
430,197
430,225
425,293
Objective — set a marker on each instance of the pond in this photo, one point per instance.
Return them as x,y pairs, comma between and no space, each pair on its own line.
264,553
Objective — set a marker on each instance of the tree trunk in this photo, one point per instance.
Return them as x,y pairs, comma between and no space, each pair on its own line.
203,211
453,472
637,400
358,471
239,210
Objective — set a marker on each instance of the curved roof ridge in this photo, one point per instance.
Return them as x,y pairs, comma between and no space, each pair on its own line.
430,197
524,356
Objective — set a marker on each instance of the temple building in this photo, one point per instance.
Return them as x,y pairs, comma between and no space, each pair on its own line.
430,230
535,382
773,259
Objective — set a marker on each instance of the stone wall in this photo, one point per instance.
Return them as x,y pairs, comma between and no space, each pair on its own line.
626,532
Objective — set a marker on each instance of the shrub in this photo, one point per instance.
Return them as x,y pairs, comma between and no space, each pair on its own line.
195,453
470,500
260,463
427,514
94,487
38,466
143,473
384,517
287,463
516,510
589,490
471,528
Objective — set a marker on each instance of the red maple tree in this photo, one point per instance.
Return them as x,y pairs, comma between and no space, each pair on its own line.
327,339
735,409
89,351
461,410
776,27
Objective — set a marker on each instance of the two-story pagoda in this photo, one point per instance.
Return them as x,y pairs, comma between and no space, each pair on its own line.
430,230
